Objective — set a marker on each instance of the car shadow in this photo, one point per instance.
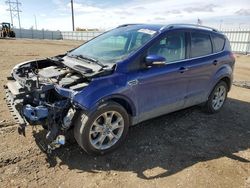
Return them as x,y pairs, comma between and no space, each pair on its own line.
172,143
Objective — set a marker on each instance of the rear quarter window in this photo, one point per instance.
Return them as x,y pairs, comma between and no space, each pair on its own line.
219,43
200,44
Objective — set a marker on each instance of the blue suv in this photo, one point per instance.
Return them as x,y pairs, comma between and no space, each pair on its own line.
127,75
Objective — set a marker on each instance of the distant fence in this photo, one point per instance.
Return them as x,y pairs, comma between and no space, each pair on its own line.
239,38
38,34
80,35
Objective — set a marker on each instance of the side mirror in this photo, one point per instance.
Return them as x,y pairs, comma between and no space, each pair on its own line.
155,60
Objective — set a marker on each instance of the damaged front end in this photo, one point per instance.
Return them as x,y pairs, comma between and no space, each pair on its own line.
41,93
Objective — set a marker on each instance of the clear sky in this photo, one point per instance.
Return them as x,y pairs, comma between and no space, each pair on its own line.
105,14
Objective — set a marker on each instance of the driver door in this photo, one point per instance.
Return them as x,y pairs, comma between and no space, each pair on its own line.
163,88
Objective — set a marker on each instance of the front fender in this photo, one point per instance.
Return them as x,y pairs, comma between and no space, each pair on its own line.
103,89
115,97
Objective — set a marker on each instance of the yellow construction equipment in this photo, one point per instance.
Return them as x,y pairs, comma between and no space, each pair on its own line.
6,30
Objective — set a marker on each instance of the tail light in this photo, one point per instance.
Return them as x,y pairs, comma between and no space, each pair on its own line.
232,55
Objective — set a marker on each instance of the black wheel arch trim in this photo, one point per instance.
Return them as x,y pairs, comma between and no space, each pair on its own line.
131,109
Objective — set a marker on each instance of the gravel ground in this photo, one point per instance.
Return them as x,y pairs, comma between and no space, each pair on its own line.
182,149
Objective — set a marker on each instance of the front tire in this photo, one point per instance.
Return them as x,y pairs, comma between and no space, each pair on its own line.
217,98
103,130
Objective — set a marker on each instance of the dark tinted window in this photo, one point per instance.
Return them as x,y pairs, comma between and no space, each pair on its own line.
200,44
172,47
218,43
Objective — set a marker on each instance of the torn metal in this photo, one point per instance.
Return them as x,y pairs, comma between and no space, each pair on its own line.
41,92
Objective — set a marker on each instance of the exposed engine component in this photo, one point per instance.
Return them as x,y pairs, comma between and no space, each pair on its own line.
52,71
59,141
69,80
44,73
35,114
67,120
60,75
53,131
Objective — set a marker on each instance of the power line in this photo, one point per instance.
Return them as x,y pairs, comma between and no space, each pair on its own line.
14,10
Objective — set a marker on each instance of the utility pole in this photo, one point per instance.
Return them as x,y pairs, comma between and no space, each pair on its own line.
14,10
221,21
35,22
72,12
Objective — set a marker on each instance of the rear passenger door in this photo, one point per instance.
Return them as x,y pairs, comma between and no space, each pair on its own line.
201,67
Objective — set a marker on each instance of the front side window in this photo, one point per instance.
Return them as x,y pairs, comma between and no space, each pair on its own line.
172,47
200,44
115,45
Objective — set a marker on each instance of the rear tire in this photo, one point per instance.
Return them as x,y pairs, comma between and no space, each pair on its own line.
12,34
217,98
103,130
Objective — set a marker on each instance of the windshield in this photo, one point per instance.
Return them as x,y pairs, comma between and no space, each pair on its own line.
114,45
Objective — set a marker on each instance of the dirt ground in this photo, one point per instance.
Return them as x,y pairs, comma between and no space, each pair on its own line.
183,149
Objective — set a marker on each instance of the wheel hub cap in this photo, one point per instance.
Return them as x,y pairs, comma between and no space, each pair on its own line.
219,98
106,130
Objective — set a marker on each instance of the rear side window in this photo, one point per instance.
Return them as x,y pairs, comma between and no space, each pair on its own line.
200,44
219,43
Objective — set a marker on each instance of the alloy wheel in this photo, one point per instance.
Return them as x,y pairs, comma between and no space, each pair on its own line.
106,130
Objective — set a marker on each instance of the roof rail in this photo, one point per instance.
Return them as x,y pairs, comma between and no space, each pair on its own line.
192,25
125,25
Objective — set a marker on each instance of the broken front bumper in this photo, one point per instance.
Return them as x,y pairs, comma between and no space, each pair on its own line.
14,104
56,117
